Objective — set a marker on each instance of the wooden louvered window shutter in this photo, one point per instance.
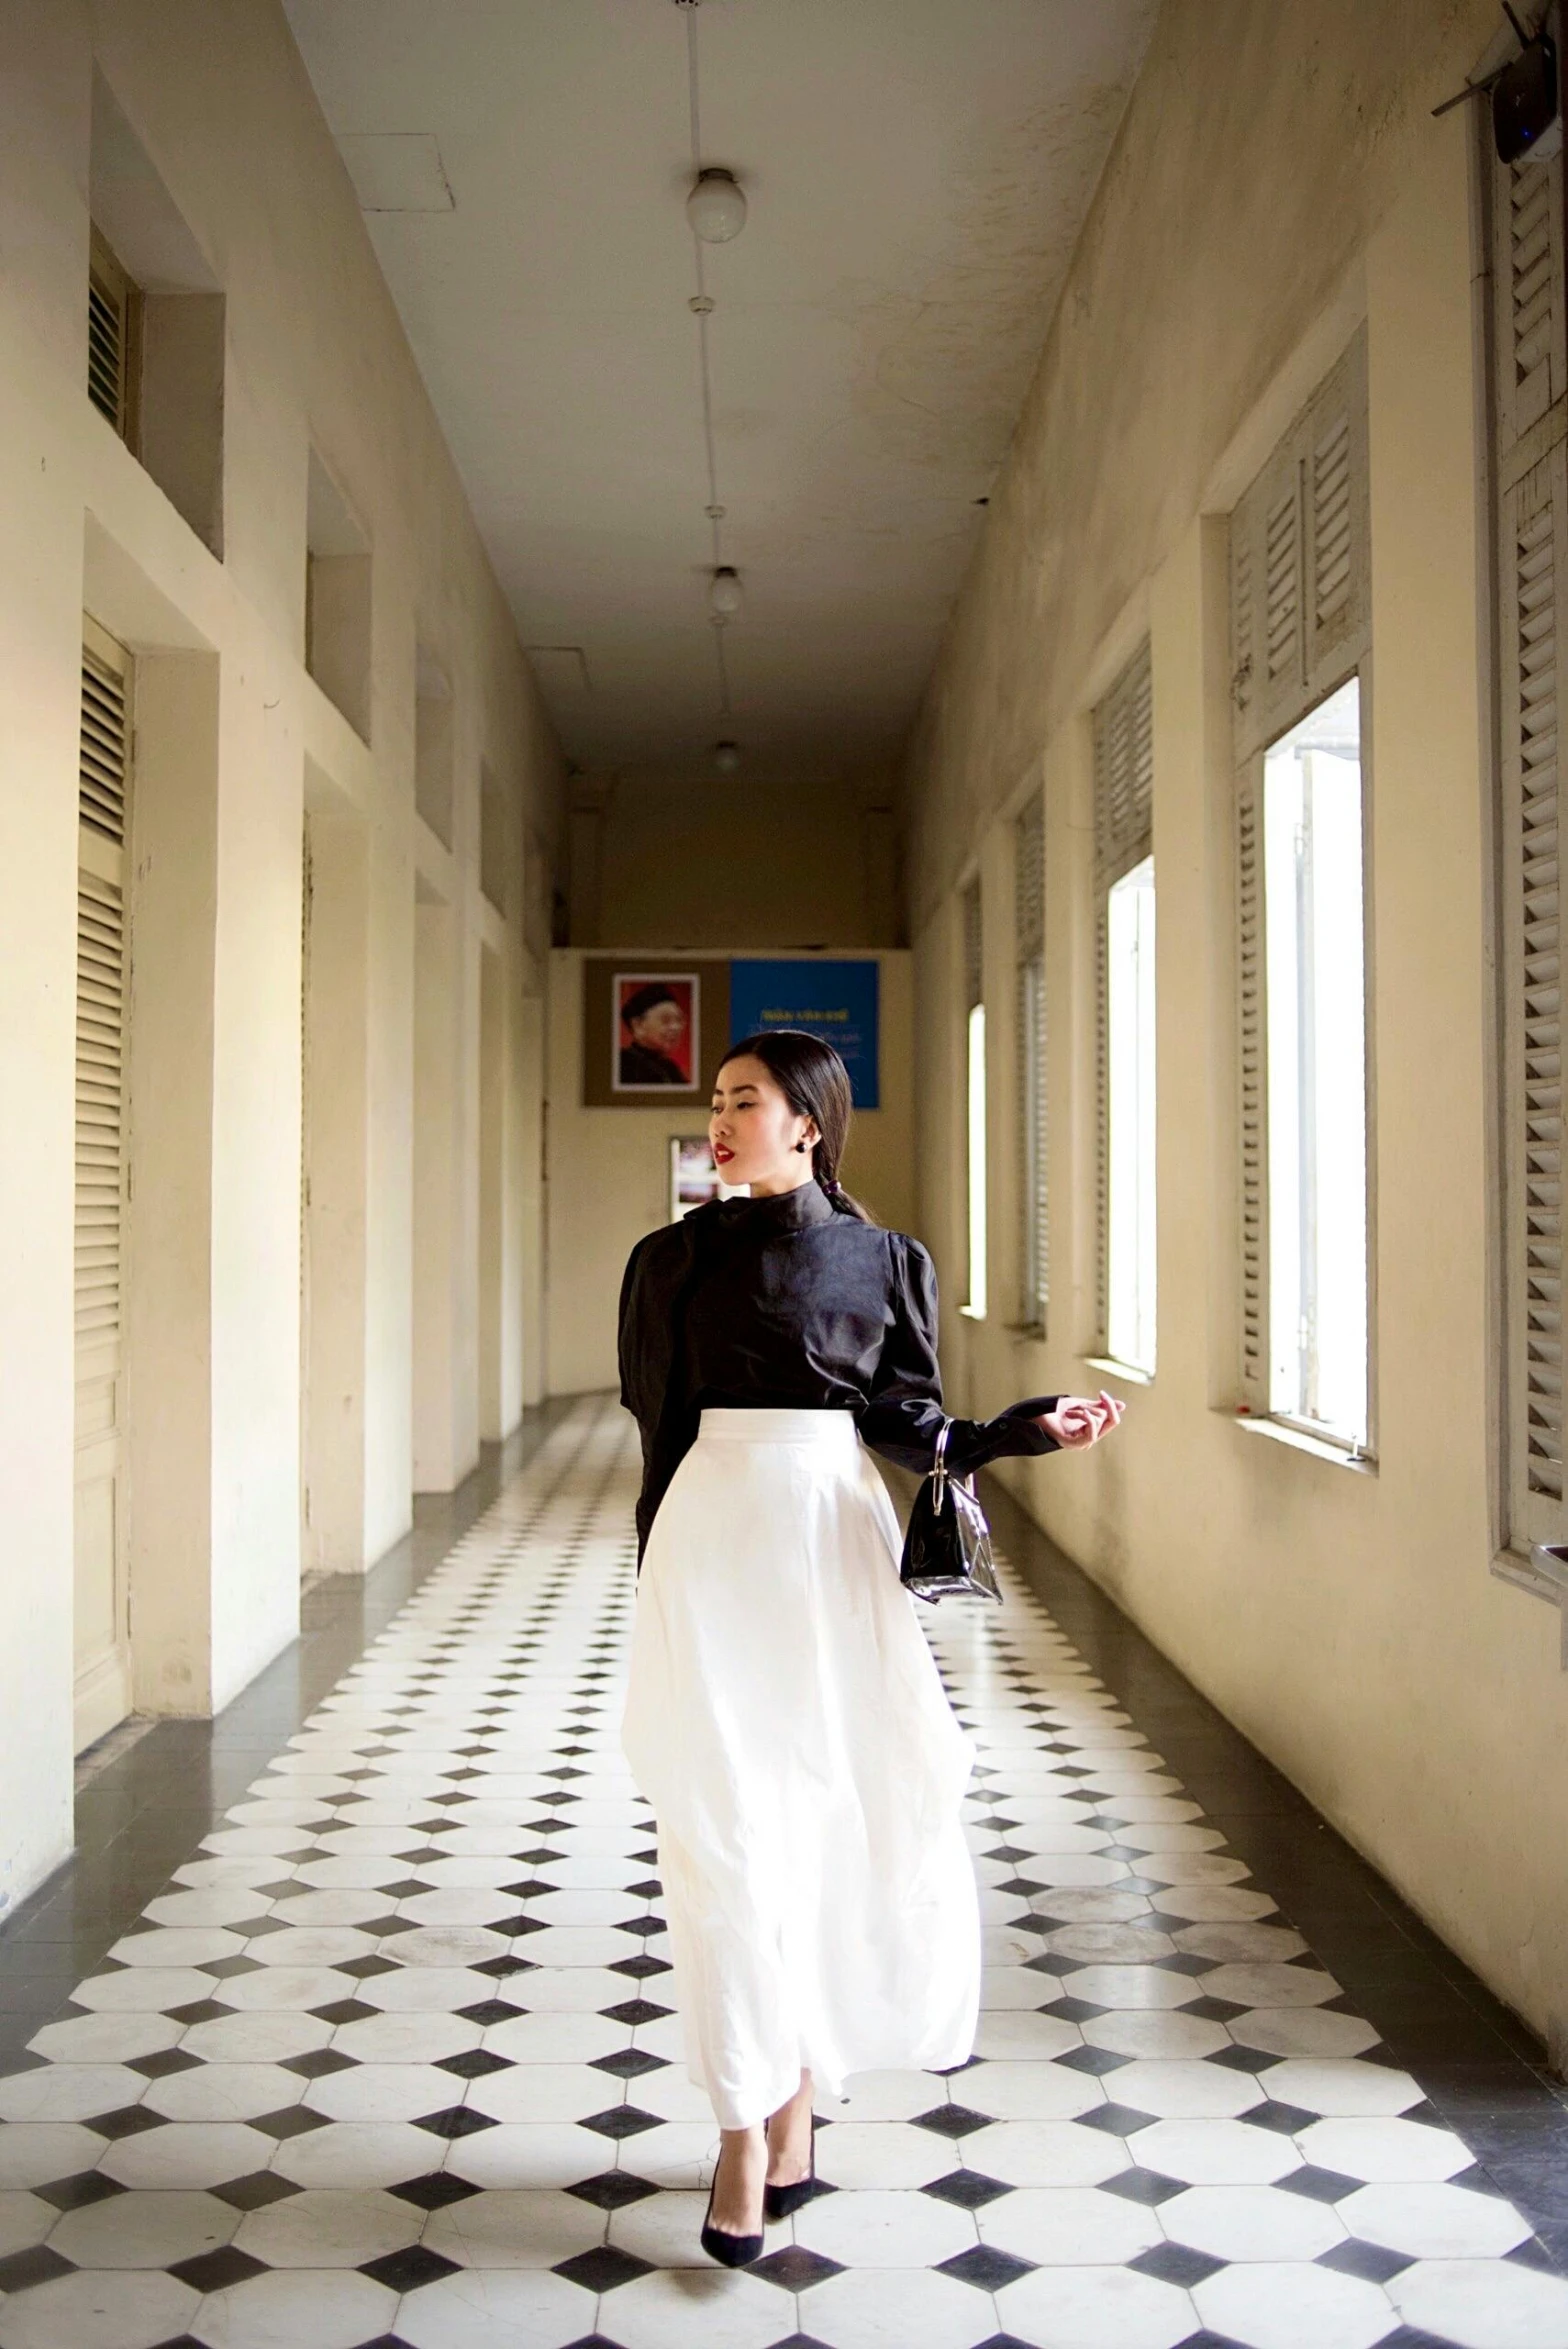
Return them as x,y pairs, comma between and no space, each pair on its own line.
1531,459
114,320
1300,625
1030,1085
1123,837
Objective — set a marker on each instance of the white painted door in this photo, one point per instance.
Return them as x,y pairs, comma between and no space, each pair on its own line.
103,1679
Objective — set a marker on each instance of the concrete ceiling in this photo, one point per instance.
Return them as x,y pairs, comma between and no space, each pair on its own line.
917,173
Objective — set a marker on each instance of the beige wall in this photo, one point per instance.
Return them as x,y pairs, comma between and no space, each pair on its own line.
231,727
1278,177
608,1173
785,853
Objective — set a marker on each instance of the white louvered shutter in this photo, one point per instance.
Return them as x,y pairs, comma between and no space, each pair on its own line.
1299,561
1030,1093
1530,382
1282,589
1124,770
1336,581
1252,1038
1535,573
102,1676
1266,593
113,339
100,1017
1531,371
100,1000
1300,624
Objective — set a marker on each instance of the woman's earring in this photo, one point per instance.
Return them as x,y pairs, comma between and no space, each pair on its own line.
800,1145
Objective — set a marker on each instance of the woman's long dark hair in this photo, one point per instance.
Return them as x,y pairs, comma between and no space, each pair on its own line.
815,1083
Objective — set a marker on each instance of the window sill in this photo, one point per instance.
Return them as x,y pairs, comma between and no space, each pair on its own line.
1298,1440
1514,1566
972,1312
1125,1371
1031,1332
1520,1569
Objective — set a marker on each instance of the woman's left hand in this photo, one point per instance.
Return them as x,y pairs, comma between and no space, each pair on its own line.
1077,1422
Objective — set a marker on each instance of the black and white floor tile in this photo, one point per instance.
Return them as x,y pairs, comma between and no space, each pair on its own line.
393,2061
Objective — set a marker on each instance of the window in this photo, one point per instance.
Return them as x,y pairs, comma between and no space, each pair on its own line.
155,324
1317,1165
1125,1014
1029,1095
974,1102
1530,472
1129,1270
337,598
1300,642
494,827
433,745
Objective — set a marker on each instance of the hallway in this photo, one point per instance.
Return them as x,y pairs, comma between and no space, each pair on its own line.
547,538
386,2062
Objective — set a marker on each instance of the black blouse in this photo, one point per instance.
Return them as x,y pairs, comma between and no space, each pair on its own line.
788,1304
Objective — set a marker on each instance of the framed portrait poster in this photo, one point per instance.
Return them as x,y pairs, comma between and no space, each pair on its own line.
655,1035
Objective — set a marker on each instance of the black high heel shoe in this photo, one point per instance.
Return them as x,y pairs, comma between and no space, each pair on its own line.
779,2201
729,2250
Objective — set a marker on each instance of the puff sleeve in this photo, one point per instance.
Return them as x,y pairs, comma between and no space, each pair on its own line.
903,1415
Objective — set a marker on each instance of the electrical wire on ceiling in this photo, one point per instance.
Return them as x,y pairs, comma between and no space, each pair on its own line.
702,308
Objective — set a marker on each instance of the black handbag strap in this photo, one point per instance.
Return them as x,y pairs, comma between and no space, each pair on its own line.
939,1467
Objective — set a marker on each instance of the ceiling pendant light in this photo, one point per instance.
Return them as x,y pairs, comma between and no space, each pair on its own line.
716,206
724,594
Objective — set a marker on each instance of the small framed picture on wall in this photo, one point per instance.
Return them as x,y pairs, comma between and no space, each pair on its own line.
694,1178
655,1041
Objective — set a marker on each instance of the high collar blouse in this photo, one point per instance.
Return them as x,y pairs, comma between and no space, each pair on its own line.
784,1302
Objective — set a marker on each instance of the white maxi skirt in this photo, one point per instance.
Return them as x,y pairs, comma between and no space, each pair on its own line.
786,1722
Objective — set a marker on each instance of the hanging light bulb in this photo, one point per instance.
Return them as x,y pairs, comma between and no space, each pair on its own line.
724,594
716,206
726,757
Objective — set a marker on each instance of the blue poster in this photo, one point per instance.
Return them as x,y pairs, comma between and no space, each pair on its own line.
834,1000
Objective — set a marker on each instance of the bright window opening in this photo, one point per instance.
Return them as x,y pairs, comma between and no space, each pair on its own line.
1130,1231
1313,920
977,1230
1031,1111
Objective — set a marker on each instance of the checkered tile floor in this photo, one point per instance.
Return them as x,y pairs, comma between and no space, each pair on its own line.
393,2060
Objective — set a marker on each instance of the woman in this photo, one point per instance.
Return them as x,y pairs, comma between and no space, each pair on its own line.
784,1716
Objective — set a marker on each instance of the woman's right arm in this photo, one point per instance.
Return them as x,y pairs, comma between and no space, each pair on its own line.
903,1416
